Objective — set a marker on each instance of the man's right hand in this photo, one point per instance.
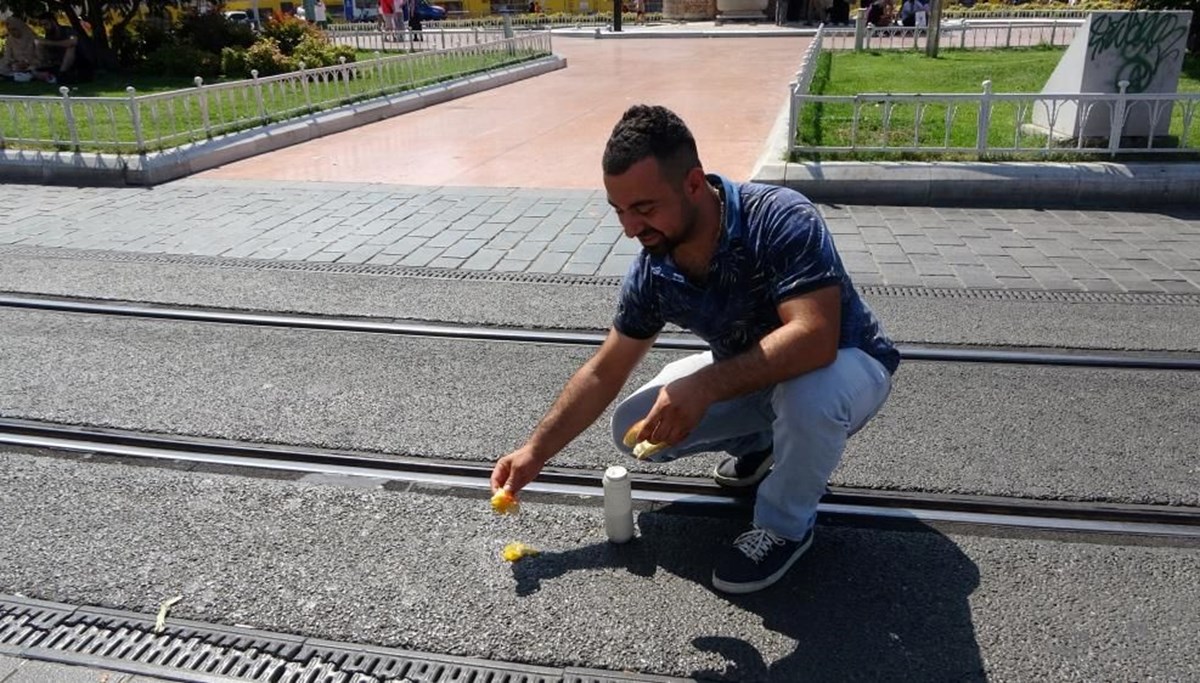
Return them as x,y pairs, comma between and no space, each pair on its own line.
515,470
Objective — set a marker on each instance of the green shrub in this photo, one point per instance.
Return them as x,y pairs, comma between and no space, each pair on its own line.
212,32
314,53
344,51
319,52
288,32
144,35
182,59
233,63
266,57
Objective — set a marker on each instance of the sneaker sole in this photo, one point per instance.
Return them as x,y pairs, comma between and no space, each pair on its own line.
743,588
752,480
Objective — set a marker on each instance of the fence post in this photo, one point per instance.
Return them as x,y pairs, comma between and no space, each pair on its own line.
379,72
345,76
860,29
1008,38
203,101
304,86
69,115
135,115
985,116
793,118
1053,30
262,108
1118,119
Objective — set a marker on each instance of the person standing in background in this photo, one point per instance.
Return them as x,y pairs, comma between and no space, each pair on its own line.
414,19
387,10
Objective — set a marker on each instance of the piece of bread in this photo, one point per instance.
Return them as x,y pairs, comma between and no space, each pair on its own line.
504,502
644,449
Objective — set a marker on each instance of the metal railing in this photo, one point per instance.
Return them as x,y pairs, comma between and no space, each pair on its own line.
370,37
143,123
985,123
802,84
1003,124
542,21
960,35
968,13
518,21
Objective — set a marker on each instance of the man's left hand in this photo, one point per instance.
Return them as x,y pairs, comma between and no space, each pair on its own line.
679,408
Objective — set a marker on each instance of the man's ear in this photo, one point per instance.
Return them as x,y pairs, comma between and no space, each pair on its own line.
694,182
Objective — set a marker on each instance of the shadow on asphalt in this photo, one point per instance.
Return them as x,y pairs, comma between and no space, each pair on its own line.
862,604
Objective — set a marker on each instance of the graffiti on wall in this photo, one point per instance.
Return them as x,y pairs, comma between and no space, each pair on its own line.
1143,42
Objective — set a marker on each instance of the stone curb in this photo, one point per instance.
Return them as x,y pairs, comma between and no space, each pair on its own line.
94,169
993,185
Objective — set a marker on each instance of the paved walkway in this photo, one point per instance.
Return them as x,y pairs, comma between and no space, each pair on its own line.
550,131
17,670
575,232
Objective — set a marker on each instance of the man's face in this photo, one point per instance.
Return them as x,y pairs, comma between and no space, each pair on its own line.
658,212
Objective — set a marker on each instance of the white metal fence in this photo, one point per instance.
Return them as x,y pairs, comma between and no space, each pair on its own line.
968,13
987,123
990,123
141,123
801,86
961,35
370,37
534,22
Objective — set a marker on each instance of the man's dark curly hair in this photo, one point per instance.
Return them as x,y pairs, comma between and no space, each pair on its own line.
646,131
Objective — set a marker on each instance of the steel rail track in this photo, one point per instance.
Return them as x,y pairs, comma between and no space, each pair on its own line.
1090,517
508,334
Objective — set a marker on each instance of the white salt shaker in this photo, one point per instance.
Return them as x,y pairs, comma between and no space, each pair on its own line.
618,504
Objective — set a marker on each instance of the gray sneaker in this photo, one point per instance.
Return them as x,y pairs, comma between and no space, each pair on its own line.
744,471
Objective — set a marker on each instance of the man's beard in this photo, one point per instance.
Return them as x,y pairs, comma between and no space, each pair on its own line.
665,245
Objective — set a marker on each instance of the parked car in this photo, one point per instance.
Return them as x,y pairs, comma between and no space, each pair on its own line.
242,17
425,11
428,12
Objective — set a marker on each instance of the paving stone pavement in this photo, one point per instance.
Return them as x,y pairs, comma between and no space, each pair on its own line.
17,670
575,232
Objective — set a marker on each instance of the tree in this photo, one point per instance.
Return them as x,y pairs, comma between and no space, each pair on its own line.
88,19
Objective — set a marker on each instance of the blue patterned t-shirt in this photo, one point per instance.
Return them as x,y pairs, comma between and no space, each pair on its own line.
774,246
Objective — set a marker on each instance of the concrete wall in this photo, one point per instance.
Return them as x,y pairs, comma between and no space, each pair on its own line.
1144,48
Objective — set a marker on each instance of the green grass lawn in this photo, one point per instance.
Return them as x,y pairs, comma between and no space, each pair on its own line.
108,126
954,71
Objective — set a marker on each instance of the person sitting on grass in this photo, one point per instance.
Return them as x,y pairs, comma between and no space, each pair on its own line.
20,51
59,54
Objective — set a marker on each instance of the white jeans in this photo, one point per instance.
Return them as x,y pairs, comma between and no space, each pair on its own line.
808,418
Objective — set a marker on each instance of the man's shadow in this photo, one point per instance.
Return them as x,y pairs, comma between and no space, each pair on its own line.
862,604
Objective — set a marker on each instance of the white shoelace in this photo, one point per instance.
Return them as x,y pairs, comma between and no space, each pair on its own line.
756,542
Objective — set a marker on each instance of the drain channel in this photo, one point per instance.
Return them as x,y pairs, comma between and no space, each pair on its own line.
453,274
195,651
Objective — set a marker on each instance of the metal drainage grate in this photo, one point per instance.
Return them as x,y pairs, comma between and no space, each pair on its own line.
185,650
454,274
1032,295
306,267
